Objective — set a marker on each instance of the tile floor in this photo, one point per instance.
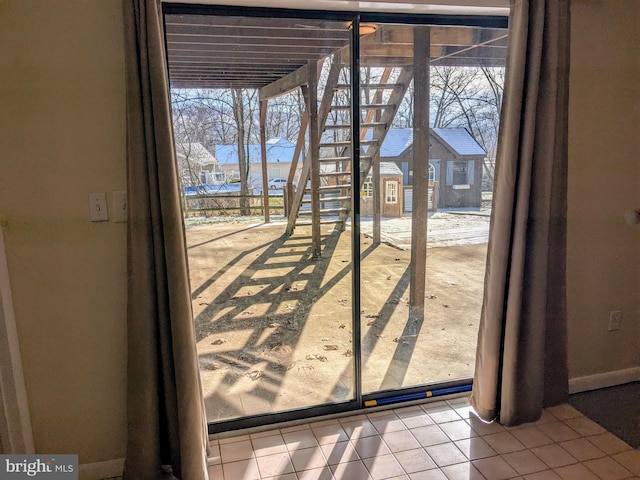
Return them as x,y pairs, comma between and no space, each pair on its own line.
431,441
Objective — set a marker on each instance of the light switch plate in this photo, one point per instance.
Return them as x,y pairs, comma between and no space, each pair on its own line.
98,211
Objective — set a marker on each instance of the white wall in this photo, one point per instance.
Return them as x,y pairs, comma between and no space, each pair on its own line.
62,136
604,182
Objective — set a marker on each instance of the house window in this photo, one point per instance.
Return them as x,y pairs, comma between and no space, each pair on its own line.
460,172
391,189
432,173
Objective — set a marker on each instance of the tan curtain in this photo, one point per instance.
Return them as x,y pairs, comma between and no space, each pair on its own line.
521,362
166,421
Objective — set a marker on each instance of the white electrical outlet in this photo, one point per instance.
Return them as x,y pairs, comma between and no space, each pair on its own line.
615,317
119,212
98,207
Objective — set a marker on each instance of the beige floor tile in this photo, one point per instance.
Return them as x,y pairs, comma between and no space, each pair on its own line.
558,431
286,476
546,417
308,458
383,467
576,472
370,447
274,465
239,438
436,441
341,452
387,423
564,411
399,441
582,449
609,443
607,468
232,452
414,417
524,462
351,471
429,435
475,448
546,475
215,471
331,433
584,426
504,442
299,439
465,412
242,470
484,428
323,473
270,445
428,475
495,468
358,428
532,437
554,456
462,471
458,430
630,460
446,454
295,428
416,460
441,412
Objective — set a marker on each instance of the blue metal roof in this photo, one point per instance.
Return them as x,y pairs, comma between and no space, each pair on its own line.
396,142
278,150
458,139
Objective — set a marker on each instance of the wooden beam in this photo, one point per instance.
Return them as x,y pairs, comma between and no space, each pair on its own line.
256,22
418,265
314,154
304,123
375,115
452,36
286,84
263,149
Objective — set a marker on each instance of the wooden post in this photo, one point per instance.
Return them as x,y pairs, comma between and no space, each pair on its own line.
314,153
263,148
421,48
304,123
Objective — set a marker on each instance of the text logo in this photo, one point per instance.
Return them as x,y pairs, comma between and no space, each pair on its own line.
50,467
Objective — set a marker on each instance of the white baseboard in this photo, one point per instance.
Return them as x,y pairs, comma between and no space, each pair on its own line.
101,470
604,380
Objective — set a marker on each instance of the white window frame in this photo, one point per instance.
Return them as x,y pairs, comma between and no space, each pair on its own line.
391,191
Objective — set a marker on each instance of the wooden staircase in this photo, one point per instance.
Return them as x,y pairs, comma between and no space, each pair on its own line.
379,105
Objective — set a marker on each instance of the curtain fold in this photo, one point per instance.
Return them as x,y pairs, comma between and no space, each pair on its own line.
166,420
521,361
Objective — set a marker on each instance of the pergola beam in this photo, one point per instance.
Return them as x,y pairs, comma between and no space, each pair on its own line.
263,151
287,83
417,273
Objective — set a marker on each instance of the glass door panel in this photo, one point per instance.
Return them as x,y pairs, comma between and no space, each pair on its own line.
260,106
430,100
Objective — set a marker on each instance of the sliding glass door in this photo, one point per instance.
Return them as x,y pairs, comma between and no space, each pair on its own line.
335,175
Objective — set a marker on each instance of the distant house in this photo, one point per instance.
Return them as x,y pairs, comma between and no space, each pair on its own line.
280,153
391,192
455,163
196,165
